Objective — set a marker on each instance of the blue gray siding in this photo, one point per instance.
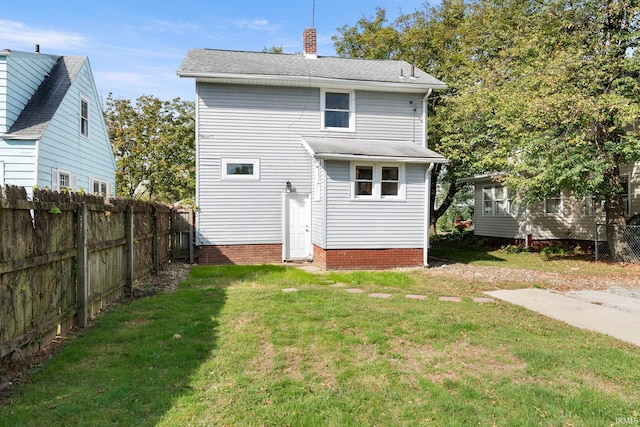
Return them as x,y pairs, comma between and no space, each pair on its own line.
63,147
268,123
374,224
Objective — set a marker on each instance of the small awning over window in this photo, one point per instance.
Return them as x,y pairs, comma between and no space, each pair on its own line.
378,150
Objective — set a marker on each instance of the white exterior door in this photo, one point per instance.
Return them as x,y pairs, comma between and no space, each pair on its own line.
296,227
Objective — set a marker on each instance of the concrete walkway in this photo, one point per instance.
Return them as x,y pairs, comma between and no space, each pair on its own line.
614,315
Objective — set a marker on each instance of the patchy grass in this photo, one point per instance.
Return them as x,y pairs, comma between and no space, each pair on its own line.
250,354
558,263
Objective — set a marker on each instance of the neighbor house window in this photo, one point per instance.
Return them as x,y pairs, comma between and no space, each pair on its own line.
62,180
241,169
99,186
375,181
553,205
497,200
337,110
84,117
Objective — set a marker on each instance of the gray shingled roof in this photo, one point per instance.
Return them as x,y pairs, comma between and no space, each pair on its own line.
370,149
34,119
211,63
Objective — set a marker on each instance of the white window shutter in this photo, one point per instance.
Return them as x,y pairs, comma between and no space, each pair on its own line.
91,190
55,180
73,182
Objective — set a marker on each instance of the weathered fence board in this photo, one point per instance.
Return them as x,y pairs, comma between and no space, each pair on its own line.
66,257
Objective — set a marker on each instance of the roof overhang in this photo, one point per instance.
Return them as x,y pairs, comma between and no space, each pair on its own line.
308,81
18,137
482,177
370,150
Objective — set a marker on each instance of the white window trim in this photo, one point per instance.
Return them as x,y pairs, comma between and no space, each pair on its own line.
510,208
83,99
352,110
1,174
560,207
93,180
55,179
377,182
254,177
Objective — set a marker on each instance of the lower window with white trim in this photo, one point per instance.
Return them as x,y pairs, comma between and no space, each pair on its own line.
63,180
99,186
375,181
497,200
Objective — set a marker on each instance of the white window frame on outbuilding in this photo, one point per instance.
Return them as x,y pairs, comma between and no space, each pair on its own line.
497,201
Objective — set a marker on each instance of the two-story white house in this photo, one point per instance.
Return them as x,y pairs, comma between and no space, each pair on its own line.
52,130
302,157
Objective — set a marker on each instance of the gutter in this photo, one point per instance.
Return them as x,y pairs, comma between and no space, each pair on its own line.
280,80
425,117
427,215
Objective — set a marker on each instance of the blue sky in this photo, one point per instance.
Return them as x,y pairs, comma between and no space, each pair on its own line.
135,47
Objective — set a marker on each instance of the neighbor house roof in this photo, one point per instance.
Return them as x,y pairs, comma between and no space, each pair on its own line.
35,117
226,66
370,150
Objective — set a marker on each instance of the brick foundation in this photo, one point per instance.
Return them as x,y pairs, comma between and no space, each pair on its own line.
367,259
240,254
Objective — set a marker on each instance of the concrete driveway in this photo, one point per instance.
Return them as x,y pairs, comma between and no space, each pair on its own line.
608,313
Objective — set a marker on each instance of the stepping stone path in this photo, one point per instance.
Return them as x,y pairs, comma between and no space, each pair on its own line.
383,296
479,300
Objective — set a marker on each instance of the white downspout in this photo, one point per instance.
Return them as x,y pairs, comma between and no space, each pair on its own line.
427,215
425,116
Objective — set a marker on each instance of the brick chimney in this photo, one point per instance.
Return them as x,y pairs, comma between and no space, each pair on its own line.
309,43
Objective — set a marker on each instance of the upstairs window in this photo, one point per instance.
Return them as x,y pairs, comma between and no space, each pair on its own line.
84,117
337,110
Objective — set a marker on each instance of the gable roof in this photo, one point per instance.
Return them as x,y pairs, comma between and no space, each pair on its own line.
370,150
35,117
226,66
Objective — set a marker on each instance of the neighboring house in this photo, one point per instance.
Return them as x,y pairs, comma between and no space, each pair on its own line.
563,219
301,157
52,130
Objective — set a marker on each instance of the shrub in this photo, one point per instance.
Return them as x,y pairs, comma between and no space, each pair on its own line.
553,249
512,249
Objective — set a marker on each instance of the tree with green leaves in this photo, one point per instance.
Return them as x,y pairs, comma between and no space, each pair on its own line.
544,91
154,145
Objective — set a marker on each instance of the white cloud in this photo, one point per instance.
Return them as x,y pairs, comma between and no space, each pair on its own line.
170,27
17,33
256,24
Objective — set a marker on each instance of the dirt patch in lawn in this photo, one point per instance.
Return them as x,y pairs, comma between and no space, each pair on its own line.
619,283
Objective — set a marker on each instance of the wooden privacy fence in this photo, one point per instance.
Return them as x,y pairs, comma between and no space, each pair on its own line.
64,257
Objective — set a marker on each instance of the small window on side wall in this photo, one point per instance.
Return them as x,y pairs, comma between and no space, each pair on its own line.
553,205
84,117
241,169
99,186
63,180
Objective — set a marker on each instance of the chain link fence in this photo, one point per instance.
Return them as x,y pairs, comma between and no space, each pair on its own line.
625,243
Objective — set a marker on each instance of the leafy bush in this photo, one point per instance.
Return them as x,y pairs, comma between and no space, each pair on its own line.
553,249
512,249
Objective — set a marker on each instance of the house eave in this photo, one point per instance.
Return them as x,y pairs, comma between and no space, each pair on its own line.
310,81
12,137
356,157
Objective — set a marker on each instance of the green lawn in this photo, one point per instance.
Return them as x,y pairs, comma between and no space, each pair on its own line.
251,354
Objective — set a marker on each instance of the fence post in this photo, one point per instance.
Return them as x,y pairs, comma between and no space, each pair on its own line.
129,247
83,273
154,241
595,234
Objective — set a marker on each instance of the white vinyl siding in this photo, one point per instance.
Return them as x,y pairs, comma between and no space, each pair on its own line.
267,123
489,225
249,122
19,163
370,224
